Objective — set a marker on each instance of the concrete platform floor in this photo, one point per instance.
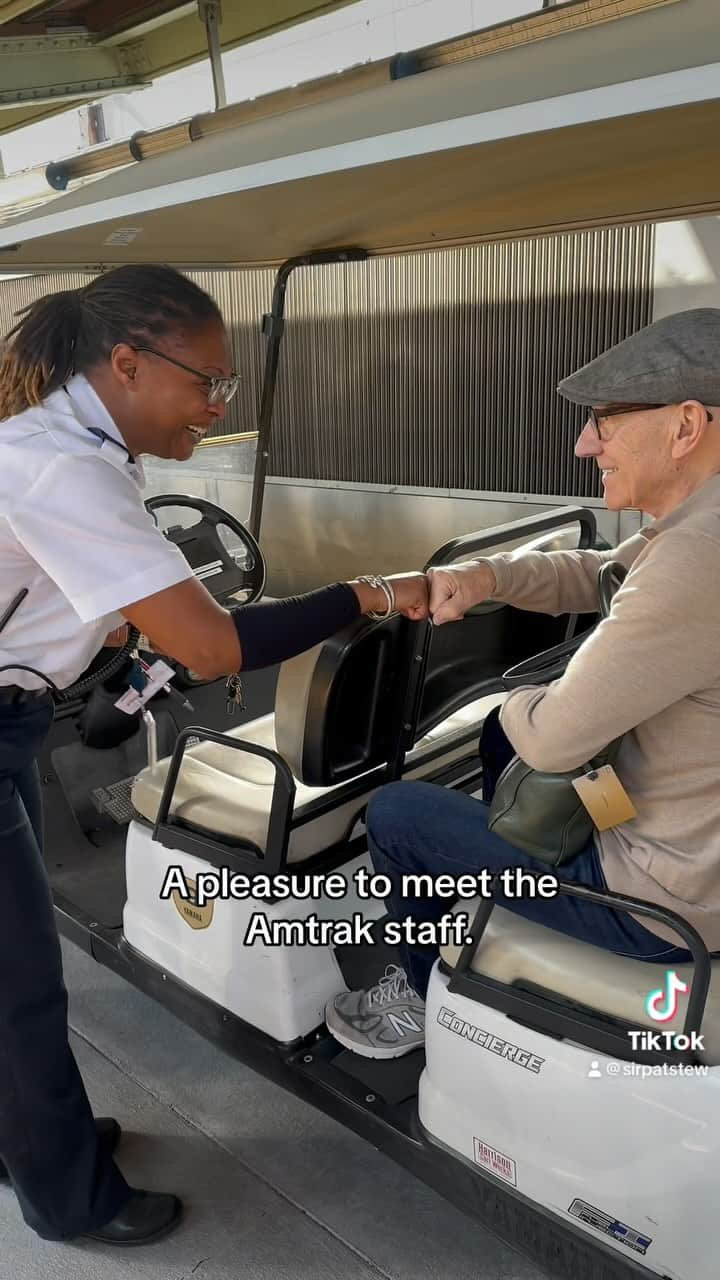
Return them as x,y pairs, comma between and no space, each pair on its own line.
274,1190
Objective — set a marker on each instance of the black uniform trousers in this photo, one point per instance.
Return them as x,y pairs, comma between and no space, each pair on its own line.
65,1183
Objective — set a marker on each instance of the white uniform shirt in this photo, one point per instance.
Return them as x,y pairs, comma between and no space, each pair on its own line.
75,532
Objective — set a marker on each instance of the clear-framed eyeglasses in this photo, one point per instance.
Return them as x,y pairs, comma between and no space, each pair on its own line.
219,390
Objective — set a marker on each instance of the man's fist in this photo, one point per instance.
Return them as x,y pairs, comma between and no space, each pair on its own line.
458,588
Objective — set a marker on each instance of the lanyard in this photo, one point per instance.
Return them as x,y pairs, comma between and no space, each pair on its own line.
103,435
98,431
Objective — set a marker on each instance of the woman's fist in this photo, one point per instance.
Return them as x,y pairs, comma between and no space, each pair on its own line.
411,595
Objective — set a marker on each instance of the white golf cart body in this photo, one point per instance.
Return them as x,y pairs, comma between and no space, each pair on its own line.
531,1108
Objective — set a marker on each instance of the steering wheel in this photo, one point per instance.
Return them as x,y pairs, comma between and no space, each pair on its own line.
213,564
551,663
206,553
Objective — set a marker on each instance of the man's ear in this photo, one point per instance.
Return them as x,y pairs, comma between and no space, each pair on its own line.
123,360
690,428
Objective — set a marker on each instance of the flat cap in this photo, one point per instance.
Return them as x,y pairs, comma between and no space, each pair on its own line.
675,359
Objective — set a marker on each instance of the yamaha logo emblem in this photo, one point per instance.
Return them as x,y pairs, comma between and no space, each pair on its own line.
197,917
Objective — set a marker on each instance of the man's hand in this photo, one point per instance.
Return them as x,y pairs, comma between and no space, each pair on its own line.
458,588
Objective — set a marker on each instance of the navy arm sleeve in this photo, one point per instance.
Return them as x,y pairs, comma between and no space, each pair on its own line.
271,631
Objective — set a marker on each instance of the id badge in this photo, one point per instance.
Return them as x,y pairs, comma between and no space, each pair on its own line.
157,677
605,798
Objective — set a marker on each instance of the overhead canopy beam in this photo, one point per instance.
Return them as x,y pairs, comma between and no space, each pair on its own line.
177,44
49,69
169,42
101,17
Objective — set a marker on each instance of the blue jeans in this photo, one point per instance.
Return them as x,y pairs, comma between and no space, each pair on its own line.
66,1183
417,827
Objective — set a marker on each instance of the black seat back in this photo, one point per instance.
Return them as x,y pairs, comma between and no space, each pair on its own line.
466,659
366,695
339,707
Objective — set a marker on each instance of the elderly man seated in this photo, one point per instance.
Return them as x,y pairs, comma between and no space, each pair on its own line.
650,671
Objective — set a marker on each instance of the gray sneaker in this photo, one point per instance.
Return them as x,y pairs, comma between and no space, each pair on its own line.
385,1022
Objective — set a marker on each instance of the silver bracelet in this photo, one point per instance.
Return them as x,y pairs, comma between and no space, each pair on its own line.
381,584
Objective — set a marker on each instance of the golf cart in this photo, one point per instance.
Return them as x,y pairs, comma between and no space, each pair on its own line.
530,1107
504,1112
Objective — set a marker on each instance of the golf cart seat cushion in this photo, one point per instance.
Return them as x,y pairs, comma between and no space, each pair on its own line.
515,950
229,792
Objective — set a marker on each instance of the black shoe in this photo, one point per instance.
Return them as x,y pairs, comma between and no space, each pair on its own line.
147,1216
108,1132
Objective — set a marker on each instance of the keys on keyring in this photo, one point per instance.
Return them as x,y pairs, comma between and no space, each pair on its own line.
235,697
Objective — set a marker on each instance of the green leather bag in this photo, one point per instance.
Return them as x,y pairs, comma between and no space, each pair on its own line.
542,813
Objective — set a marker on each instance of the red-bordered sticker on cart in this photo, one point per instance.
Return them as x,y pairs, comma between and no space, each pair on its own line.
501,1165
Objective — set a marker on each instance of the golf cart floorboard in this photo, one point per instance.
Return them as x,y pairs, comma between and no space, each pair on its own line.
90,875
94,879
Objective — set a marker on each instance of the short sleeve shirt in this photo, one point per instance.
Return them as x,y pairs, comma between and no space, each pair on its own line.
74,531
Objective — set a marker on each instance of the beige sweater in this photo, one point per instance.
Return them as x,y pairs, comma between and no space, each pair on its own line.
651,670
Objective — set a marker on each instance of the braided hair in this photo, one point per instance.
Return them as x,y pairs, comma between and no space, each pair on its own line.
73,331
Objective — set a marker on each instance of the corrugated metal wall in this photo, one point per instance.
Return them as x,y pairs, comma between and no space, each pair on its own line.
436,369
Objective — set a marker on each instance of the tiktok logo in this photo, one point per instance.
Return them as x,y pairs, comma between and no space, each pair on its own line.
662,1005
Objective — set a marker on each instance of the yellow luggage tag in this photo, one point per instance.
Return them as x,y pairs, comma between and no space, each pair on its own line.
605,798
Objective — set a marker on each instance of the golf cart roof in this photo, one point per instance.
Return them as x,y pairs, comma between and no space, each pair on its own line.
608,121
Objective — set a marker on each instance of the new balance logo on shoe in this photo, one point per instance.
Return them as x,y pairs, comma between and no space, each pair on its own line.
404,1022
386,1021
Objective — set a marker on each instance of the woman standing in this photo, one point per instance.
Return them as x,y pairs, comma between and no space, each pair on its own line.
137,362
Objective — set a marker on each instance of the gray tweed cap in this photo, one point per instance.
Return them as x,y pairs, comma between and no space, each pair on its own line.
675,359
